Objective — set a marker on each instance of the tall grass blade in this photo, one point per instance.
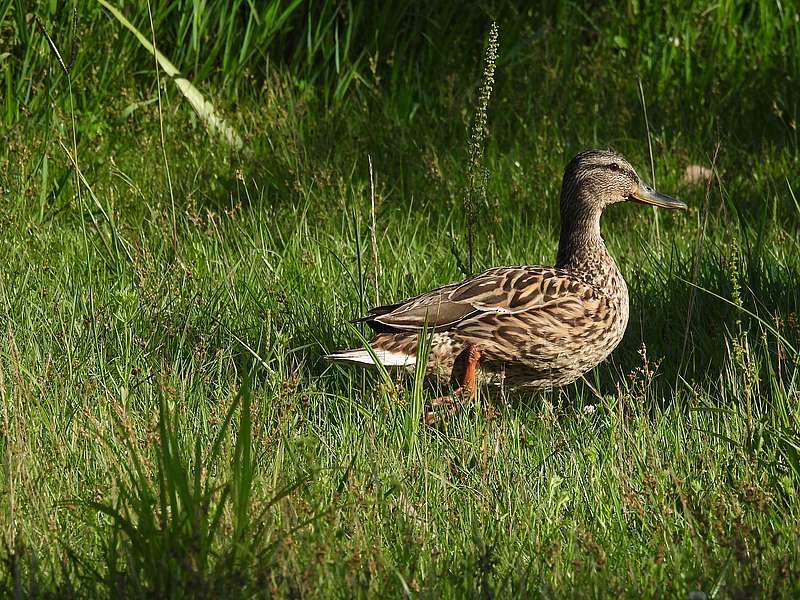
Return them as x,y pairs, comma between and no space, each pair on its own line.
475,193
204,109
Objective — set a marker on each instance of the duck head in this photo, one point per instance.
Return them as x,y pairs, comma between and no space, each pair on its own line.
597,178
593,180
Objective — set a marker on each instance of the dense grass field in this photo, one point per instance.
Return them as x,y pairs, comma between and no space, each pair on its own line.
169,428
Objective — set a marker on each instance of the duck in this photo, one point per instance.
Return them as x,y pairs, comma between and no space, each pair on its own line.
522,328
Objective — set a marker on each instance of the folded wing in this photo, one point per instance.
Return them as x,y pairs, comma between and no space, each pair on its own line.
502,290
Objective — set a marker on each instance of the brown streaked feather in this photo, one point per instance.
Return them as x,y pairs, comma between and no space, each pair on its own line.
501,290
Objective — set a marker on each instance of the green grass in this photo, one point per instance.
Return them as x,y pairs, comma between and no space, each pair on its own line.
169,427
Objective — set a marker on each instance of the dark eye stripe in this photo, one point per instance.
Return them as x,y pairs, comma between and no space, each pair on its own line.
618,169
614,167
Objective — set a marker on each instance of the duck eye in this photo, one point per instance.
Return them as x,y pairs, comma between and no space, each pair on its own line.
614,167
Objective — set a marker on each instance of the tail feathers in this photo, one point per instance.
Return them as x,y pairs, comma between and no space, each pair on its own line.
361,356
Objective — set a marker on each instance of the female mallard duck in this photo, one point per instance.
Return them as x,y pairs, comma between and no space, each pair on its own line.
525,327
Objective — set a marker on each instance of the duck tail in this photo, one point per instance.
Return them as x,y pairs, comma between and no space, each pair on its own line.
362,356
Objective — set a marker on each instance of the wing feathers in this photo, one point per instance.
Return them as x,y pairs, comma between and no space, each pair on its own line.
501,290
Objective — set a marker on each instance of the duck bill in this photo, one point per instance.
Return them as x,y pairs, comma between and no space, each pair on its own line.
644,194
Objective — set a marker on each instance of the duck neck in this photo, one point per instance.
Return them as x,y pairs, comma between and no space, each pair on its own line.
581,247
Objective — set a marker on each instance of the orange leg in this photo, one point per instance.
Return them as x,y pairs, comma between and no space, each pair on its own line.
464,372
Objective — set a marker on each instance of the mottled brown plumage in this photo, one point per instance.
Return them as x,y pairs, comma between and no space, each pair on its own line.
535,327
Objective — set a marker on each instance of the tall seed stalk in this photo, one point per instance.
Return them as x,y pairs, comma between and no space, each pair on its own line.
477,175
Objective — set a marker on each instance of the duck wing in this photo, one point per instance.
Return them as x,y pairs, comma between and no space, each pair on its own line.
501,290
